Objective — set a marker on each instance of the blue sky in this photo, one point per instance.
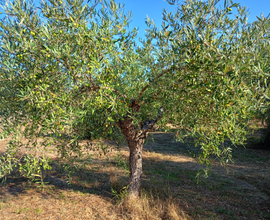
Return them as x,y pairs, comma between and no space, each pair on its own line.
153,8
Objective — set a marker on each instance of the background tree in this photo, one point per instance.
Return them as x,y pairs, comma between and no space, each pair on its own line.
68,61
260,84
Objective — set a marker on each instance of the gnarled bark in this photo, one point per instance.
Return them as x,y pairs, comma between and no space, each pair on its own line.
135,145
135,140
135,166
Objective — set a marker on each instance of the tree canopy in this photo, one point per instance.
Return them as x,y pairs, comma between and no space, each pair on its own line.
203,71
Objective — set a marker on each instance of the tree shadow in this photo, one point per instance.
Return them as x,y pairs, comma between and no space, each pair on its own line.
166,144
168,171
164,176
86,180
259,139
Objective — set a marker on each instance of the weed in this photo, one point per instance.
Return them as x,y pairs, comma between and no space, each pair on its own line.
173,176
221,210
62,195
21,210
121,162
28,166
266,215
121,194
38,210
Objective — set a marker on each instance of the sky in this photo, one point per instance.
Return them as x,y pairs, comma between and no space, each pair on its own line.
153,8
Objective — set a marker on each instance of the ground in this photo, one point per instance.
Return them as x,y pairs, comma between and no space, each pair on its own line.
169,186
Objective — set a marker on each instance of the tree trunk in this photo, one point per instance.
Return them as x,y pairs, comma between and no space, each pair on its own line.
135,140
135,166
135,143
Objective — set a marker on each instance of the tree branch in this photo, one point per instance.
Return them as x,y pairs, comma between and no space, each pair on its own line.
92,88
143,90
161,74
214,49
149,124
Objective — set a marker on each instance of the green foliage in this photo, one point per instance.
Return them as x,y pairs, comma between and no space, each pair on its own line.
72,70
121,194
214,67
8,164
95,124
48,100
28,166
33,168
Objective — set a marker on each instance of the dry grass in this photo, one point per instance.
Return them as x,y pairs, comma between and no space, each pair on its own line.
149,208
169,187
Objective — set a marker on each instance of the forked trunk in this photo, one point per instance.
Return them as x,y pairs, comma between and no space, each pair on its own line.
135,140
135,144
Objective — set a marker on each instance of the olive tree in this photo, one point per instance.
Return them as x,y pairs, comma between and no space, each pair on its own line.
260,84
69,59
